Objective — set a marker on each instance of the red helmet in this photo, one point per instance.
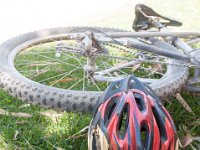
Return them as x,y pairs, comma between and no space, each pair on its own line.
130,116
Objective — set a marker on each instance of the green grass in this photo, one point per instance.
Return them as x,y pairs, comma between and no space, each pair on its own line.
39,132
42,132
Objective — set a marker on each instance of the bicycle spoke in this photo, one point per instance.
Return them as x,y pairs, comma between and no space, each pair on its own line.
106,68
52,77
94,81
23,71
84,75
34,53
115,64
73,57
76,83
56,60
65,75
37,72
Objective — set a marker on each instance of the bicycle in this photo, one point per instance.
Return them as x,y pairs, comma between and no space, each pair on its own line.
71,58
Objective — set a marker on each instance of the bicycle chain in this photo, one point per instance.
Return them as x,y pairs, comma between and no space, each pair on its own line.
151,61
182,64
139,60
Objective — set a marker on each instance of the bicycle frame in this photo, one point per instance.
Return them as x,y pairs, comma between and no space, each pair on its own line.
90,67
124,38
128,39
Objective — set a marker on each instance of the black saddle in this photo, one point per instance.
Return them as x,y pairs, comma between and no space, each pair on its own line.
144,14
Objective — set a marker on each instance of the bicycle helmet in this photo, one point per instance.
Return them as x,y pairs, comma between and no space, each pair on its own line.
130,116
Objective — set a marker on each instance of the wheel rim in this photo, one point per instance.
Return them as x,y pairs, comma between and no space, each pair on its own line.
40,66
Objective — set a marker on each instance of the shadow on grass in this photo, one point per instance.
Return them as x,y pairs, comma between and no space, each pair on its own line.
39,131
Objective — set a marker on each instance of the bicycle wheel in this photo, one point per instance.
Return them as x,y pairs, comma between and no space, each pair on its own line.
193,83
29,62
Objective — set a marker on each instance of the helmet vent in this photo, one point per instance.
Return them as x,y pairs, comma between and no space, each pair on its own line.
139,101
160,120
144,135
110,109
123,121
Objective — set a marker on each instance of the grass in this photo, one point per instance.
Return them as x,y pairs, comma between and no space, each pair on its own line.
39,131
44,132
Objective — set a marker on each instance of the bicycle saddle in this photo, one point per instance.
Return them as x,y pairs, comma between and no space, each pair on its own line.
144,14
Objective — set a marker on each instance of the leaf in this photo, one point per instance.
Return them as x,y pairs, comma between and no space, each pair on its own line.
186,140
178,143
66,80
25,105
3,112
16,134
84,130
155,68
58,148
79,134
135,67
62,81
21,122
120,62
15,114
76,136
23,115
52,115
183,102
49,114
115,73
197,138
